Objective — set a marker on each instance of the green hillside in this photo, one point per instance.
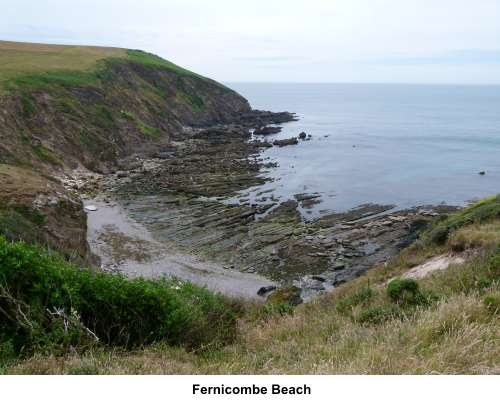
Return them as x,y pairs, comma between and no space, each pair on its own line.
17,59
20,61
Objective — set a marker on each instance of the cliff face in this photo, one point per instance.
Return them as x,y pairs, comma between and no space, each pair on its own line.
93,118
56,116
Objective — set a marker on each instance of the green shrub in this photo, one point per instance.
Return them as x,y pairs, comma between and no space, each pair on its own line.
405,292
362,296
438,234
288,295
376,315
492,302
48,304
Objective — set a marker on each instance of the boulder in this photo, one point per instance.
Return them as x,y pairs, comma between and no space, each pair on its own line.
264,290
262,144
285,142
267,130
302,135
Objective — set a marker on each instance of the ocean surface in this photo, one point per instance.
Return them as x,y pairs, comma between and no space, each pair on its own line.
407,145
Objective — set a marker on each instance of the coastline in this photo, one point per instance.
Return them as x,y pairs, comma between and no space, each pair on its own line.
178,204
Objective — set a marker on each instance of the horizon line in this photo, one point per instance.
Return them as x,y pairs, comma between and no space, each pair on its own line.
358,83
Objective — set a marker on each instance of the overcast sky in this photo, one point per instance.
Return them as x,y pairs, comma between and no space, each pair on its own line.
411,41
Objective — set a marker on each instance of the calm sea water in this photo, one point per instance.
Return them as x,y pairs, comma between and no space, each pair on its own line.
391,144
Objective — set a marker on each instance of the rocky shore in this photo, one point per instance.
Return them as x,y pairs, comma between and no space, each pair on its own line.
180,195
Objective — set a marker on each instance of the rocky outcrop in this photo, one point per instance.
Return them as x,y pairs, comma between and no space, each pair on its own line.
285,142
40,210
267,130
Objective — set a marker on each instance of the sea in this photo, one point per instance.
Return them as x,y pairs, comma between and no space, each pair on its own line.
395,144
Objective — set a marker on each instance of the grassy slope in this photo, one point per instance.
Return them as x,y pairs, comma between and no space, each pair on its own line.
454,326
18,58
25,63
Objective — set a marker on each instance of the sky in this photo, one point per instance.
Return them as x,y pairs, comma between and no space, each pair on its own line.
367,41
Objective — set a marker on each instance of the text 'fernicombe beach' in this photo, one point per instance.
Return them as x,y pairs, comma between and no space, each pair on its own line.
273,389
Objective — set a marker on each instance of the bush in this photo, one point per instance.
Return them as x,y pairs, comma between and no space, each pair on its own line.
376,315
288,296
405,292
492,302
361,296
47,303
438,234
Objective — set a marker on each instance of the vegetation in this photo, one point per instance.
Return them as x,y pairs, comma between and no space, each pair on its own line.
379,323
25,59
405,292
149,131
48,305
484,210
150,59
59,318
17,223
32,66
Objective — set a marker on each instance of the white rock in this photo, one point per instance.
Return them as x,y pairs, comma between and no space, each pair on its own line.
91,208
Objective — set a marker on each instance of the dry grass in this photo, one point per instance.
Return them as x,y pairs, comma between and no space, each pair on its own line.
458,336
475,236
17,183
17,58
456,333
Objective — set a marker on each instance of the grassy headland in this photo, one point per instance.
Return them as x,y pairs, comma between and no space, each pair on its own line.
71,106
32,65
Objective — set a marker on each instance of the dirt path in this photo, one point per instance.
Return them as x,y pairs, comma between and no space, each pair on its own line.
433,265
126,246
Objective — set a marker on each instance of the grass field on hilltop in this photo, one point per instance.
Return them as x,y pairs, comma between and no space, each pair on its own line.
33,65
18,58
